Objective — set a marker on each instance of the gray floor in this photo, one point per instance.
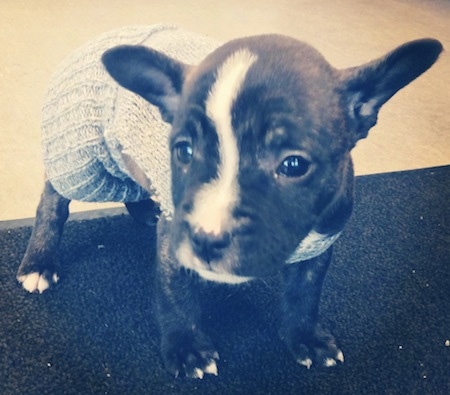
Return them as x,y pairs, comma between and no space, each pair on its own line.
36,35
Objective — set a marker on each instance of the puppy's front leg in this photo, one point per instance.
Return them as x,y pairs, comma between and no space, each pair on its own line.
185,349
308,341
39,266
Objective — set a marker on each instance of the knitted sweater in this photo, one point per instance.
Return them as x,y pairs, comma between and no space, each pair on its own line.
89,120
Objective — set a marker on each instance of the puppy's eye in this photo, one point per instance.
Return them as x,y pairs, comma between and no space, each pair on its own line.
293,166
184,152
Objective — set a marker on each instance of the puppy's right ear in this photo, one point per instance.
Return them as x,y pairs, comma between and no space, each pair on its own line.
154,76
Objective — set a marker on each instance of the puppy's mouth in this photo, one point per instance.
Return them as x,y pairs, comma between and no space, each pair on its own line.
218,269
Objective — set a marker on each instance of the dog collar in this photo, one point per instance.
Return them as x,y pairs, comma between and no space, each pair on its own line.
313,245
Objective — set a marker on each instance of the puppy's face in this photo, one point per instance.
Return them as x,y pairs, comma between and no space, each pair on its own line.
258,153
260,146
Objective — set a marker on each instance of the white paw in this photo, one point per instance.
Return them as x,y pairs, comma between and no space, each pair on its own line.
340,356
36,282
305,362
328,362
210,369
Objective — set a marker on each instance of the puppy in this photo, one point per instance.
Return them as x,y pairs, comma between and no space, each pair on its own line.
261,179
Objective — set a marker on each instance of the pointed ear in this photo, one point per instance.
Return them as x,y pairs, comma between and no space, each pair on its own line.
368,87
154,76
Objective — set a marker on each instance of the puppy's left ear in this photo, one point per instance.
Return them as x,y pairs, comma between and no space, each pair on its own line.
368,87
154,76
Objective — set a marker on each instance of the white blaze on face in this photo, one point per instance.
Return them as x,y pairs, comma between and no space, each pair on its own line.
214,202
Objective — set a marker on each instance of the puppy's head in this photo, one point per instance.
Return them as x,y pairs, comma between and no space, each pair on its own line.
261,137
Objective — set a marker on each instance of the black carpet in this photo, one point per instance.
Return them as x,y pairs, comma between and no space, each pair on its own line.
386,296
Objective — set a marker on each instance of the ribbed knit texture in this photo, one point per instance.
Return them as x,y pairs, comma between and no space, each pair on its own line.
88,120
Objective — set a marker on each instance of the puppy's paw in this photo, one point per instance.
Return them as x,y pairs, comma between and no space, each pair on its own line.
316,348
38,272
327,357
37,282
189,355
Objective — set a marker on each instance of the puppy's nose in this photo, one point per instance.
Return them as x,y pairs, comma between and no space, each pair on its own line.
209,246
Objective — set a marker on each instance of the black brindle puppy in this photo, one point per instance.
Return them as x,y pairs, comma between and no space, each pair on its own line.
262,179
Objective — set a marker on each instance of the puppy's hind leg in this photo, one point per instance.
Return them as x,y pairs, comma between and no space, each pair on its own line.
40,264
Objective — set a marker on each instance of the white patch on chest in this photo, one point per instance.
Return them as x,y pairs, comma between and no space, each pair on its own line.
314,244
214,202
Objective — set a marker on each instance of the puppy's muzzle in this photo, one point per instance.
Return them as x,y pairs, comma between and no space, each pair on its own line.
209,246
